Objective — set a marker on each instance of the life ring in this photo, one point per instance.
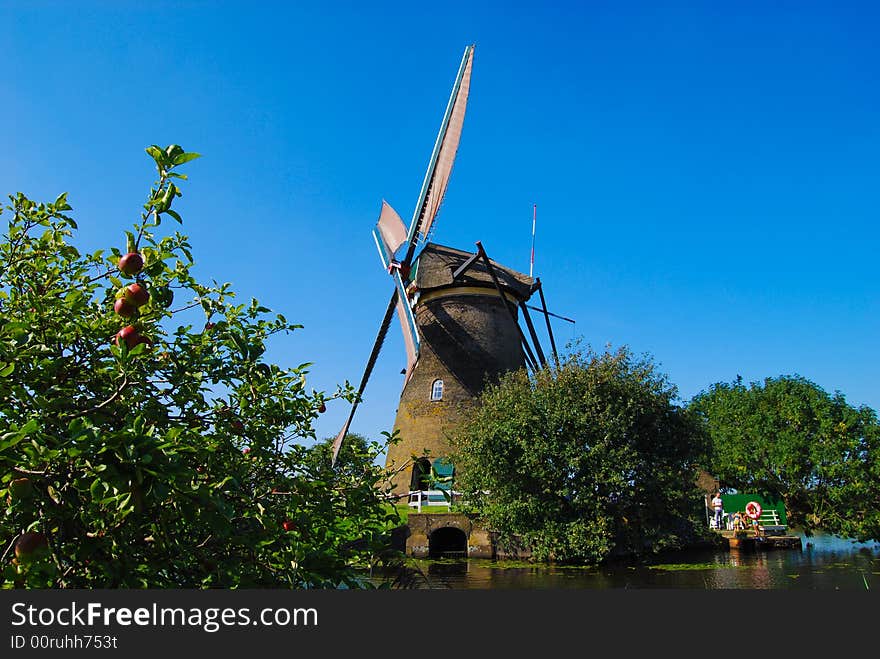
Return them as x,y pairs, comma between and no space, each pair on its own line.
753,509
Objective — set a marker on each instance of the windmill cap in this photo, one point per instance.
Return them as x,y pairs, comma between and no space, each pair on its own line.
437,263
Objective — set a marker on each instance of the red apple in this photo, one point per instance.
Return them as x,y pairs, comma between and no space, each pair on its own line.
124,308
237,426
137,294
209,326
131,263
322,408
130,335
30,545
288,525
245,450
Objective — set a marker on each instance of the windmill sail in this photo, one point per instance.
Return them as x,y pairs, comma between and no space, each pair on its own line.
443,156
390,233
408,340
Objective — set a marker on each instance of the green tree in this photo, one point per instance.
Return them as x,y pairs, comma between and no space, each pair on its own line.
357,455
581,461
787,438
172,456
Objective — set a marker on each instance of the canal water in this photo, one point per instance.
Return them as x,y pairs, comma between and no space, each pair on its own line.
823,563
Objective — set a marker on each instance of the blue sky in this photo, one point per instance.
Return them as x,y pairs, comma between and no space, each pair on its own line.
705,174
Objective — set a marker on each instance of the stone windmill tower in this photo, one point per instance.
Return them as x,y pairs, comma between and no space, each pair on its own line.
459,313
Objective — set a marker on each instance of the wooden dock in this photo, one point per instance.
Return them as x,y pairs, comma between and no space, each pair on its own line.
746,540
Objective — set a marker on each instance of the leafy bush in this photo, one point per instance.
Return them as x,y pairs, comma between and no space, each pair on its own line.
583,460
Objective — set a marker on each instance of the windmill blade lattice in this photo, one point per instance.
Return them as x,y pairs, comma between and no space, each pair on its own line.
371,362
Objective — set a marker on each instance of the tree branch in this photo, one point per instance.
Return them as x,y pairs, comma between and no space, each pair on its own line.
99,406
28,471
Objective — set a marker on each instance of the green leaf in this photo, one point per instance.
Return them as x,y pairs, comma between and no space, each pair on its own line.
175,215
240,344
167,197
185,157
9,440
53,494
29,427
130,244
162,296
139,349
16,328
96,489
6,369
61,202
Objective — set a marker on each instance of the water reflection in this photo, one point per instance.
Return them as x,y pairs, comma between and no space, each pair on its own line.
824,563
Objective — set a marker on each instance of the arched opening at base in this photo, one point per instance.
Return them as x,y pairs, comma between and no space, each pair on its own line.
448,542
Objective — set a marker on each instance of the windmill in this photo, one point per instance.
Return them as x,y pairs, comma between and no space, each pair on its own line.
458,311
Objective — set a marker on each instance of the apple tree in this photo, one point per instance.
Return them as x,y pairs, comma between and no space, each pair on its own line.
144,440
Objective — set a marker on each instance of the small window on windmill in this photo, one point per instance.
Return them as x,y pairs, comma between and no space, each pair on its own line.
437,390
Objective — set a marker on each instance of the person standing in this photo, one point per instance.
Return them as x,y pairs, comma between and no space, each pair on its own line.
718,506
739,523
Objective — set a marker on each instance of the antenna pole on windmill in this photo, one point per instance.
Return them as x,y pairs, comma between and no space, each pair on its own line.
534,218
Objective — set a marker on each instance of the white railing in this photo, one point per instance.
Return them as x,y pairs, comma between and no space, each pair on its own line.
768,519
418,498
